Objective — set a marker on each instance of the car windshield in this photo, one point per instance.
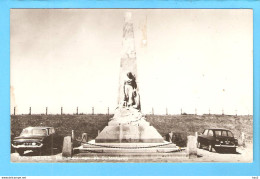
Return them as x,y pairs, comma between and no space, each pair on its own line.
223,133
34,132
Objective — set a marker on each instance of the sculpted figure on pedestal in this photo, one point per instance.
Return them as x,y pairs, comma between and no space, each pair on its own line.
131,96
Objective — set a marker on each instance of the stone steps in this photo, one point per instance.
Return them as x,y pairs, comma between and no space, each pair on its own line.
134,155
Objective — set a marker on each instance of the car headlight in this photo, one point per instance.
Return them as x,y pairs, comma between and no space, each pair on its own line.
33,143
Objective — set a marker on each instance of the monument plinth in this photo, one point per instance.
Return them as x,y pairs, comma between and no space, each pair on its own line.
128,131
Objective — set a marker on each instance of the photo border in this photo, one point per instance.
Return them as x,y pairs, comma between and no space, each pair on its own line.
141,169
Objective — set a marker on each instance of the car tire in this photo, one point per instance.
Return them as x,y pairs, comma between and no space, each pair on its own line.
233,150
210,148
40,152
19,151
199,145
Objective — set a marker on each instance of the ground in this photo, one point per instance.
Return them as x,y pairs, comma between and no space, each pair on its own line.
243,155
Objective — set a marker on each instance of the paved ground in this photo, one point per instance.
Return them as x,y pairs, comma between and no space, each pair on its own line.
242,155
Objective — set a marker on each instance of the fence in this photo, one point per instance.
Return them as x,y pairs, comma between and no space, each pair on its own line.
107,112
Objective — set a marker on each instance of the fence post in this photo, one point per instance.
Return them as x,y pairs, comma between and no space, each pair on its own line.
181,111
195,111
30,111
92,110
152,111
166,111
77,110
107,110
98,132
61,110
14,111
222,111
46,111
236,112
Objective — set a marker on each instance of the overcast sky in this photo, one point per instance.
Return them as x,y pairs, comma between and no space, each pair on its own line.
193,59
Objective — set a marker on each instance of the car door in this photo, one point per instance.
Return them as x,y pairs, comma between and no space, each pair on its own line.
210,137
56,142
203,137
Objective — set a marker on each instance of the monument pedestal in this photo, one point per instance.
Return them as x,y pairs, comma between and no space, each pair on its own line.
128,134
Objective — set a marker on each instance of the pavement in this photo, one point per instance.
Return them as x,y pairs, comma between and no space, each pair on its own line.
243,155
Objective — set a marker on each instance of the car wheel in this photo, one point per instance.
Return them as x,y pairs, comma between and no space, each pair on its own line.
199,145
210,147
19,151
39,152
233,150
51,151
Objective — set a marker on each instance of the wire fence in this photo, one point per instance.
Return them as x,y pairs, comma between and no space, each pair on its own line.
108,111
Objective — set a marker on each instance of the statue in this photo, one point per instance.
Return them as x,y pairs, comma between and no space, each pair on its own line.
131,96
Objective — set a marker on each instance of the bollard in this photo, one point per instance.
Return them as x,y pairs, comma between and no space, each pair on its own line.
196,135
72,135
84,138
170,136
192,147
243,139
67,149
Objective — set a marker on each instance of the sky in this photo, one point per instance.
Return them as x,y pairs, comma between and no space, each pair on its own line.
186,59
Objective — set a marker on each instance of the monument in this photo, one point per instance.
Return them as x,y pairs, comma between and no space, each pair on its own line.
128,132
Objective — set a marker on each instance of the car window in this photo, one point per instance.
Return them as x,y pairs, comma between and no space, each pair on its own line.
31,131
210,133
39,132
205,132
224,133
218,133
230,134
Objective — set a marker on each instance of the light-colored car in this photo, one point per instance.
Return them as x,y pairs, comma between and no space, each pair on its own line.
40,139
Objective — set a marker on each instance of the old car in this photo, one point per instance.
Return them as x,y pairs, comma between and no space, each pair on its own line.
39,139
217,139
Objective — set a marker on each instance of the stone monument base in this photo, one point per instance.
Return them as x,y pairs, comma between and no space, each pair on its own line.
129,134
133,152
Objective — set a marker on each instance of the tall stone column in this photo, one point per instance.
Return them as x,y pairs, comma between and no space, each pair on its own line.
128,55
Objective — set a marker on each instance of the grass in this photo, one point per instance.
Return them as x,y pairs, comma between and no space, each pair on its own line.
180,125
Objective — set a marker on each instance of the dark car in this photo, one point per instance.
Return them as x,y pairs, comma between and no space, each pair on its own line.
39,139
218,139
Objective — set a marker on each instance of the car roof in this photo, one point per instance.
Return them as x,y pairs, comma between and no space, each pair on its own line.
39,127
218,129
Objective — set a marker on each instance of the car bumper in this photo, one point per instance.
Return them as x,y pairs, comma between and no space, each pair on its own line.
226,146
27,146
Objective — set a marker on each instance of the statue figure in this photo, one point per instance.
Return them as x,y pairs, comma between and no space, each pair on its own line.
131,96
